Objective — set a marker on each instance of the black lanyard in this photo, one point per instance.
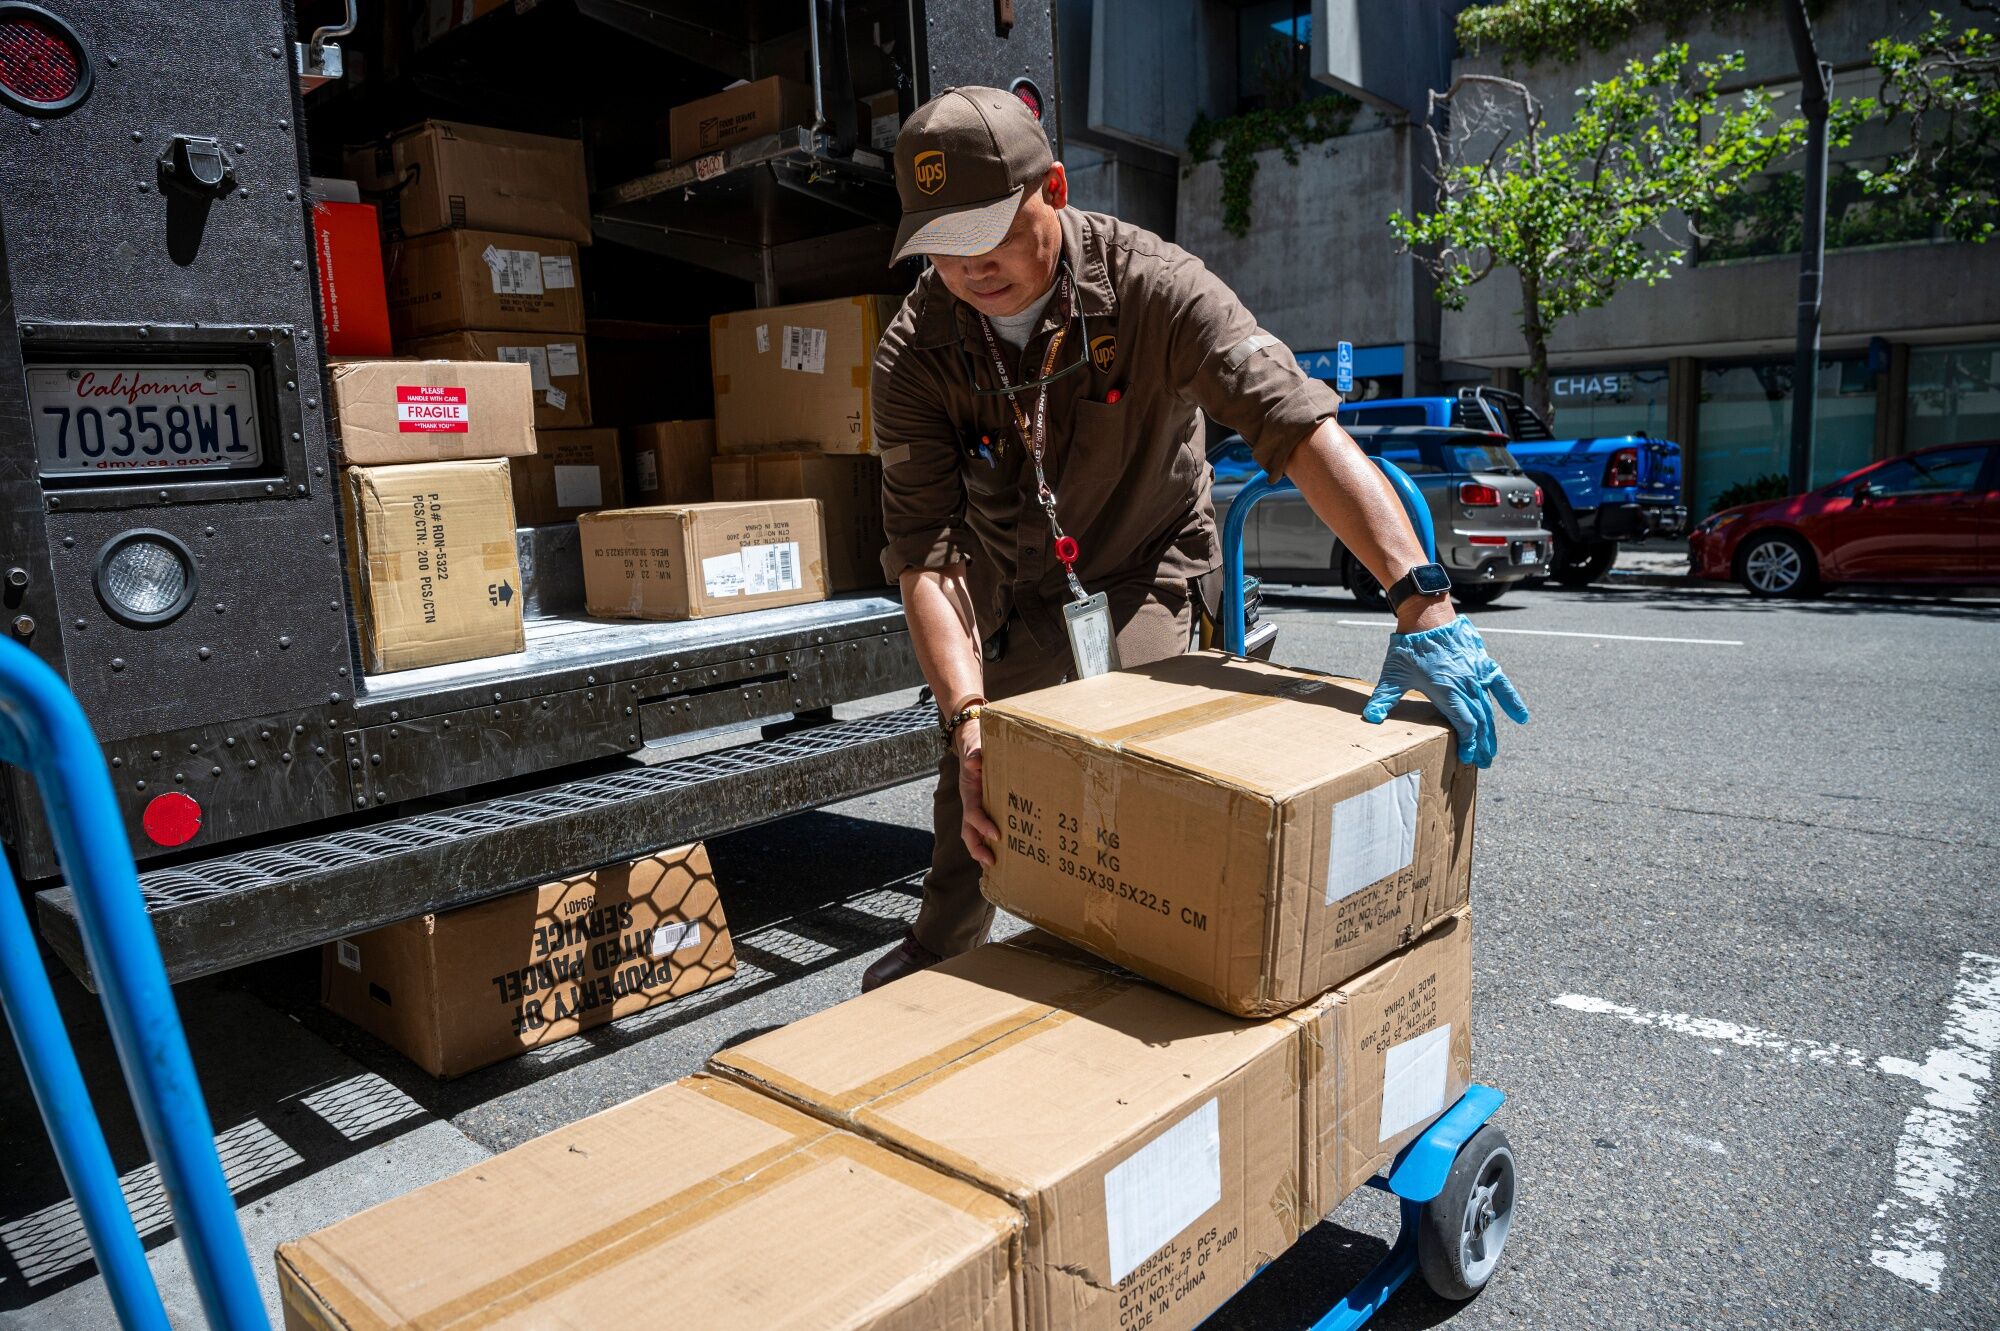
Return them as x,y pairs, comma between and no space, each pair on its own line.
1034,435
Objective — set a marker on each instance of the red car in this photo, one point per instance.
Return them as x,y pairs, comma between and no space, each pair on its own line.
1929,517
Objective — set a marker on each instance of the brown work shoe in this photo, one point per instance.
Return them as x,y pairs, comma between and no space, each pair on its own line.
906,958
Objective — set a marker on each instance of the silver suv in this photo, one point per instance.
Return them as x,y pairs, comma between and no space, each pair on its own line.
1487,514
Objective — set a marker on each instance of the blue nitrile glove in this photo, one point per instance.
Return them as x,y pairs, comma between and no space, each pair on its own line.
1449,665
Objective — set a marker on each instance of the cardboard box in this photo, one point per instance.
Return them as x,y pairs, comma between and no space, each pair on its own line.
797,374
701,1202
443,174
450,280
1230,829
431,562
737,115
1386,1053
882,120
470,987
670,461
558,369
353,299
570,473
431,411
849,490
693,561
1151,1144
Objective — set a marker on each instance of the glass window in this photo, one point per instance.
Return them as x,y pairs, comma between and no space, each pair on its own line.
1410,415
1479,457
1621,400
1413,460
1274,55
1951,472
1746,424
1954,395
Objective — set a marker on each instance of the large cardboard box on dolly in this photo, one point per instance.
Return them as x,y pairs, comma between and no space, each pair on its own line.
570,473
432,563
558,368
797,374
849,490
441,174
453,280
701,1200
736,115
692,561
470,987
670,462
1386,1053
392,411
1151,1144
1230,829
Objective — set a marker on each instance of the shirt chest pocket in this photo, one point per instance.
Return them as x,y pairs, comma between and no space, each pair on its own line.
999,471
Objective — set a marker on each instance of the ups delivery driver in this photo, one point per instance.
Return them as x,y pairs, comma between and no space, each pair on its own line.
1036,408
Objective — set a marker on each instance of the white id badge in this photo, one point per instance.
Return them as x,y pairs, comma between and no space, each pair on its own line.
1092,645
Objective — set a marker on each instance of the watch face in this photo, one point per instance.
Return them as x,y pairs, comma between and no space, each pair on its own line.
1431,579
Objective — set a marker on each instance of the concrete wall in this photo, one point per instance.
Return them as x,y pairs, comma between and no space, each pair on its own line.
1135,190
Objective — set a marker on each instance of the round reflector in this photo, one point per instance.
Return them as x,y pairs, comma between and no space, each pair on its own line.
171,819
145,578
1030,95
43,70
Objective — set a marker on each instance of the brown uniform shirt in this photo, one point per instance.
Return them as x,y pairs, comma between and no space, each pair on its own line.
1131,478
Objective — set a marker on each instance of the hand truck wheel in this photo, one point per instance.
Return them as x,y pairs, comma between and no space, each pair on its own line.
1462,1230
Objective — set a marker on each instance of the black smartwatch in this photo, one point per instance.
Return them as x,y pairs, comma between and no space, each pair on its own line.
1423,580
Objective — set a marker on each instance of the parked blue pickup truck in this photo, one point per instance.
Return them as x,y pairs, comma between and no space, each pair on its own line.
1598,491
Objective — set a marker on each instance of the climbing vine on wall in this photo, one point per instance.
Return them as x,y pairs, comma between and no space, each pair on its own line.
1236,141
1527,31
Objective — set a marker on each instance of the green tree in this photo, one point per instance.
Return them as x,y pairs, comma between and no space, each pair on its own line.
1945,87
1581,212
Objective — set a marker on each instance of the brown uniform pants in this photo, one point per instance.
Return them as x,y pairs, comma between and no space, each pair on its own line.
1152,623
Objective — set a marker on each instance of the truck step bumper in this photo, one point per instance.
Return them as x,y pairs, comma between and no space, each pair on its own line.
233,909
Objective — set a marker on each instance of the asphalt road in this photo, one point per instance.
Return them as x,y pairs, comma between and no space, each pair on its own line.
1737,968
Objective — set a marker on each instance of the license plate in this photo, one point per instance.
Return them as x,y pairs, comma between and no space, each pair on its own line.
1531,553
96,419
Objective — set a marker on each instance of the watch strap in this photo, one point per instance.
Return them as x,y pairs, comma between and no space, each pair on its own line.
1406,586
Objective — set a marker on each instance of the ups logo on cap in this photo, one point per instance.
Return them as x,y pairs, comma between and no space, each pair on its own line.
930,171
1103,351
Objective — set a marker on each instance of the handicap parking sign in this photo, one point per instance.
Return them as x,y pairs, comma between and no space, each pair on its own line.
1343,368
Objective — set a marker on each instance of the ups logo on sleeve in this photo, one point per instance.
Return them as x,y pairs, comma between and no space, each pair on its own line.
1104,351
930,171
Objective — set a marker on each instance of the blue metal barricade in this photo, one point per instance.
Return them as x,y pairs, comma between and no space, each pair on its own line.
43,730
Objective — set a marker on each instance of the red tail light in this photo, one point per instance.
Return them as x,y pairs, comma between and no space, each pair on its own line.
1538,496
1623,468
43,70
1473,495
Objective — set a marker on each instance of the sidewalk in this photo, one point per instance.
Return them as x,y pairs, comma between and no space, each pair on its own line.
1650,564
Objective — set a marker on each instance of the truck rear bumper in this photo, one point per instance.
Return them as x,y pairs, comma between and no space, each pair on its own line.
1631,522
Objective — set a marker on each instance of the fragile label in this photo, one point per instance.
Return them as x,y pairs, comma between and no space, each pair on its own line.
563,360
722,575
424,410
803,349
1374,835
558,272
535,358
515,272
1413,1080
772,568
670,938
578,487
1162,1189
349,953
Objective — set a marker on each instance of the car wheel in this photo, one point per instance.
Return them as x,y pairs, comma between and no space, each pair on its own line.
1361,585
1580,563
1777,564
1485,593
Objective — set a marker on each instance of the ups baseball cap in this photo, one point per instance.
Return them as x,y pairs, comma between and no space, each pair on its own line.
964,162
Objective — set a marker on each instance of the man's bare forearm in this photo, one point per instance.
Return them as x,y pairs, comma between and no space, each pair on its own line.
1350,494
938,605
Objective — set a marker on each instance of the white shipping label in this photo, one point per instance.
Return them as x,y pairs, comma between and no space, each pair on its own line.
556,398
763,339
1167,1185
535,358
1374,835
882,131
349,953
558,272
649,473
671,938
579,487
803,349
563,360
515,272
1413,1078
772,568
722,575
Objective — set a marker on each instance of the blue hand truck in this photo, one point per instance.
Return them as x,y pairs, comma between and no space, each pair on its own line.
1456,1181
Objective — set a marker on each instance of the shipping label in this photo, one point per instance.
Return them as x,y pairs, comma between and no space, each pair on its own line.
535,358
558,271
1374,835
803,349
563,360
671,938
579,487
425,410
515,272
722,575
772,568
556,398
1165,1186
1413,1080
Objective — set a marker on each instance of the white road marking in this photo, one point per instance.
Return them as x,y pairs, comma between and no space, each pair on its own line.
1912,1224
1555,633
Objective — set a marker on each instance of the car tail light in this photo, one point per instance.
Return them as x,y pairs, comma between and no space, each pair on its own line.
1623,468
1486,540
1538,496
43,70
1474,495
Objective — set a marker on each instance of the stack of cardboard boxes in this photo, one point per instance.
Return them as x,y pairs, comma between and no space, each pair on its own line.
1049,1132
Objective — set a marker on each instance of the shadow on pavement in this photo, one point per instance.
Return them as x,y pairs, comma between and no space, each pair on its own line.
1294,1292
